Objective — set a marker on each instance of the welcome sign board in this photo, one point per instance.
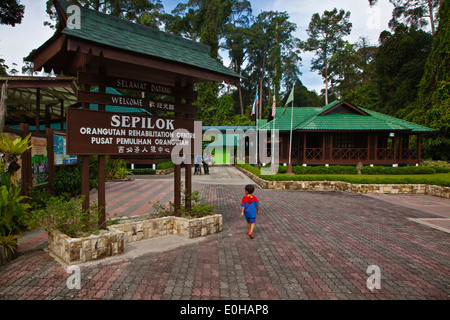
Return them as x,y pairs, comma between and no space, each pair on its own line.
108,133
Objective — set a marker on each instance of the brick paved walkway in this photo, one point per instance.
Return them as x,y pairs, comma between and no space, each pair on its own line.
308,245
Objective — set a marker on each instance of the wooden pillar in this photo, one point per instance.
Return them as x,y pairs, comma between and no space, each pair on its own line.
62,115
323,147
304,147
85,165
27,178
38,109
188,182
101,162
188,166
51,158
177,189
419,148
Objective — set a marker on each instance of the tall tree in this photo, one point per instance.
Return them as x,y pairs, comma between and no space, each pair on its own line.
350,67
205,20
236,42
414,13
399,67
11,12
433,103
273,53
325,38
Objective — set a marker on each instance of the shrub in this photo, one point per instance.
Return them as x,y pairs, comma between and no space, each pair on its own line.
438,166
122,173
67,180
325,170
143,171
67,216
39,198
397,170
165,165
12,209
199,207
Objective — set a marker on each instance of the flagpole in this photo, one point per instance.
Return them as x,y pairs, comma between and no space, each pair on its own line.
257,146
289,169
273,131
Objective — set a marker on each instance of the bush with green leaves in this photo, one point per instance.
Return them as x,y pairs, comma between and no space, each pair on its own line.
142,171
165,165
13,209
122,173
199,207
437,165
67,216
397,170
67,179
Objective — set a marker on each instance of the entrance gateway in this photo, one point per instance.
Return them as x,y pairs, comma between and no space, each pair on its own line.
160,68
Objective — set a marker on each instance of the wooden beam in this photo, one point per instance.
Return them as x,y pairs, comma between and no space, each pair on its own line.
150,105
136,85
38,109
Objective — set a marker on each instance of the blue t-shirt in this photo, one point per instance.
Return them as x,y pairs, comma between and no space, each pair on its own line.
249,202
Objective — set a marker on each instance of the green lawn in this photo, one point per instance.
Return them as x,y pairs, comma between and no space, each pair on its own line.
441,179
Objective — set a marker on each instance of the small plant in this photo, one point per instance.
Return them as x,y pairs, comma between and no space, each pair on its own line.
12,209
67,216
199,207
122,173
9,243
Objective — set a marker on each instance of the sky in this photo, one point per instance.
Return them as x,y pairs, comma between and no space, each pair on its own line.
17,42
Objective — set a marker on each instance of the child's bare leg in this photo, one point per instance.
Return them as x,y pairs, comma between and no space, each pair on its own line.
252,227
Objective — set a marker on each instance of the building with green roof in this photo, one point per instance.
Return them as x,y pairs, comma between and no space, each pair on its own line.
342,133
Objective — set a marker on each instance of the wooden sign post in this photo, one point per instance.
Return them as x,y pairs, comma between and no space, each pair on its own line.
104,133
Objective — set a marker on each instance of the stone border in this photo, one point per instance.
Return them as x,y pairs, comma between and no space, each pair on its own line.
146,227
131,229
164,171
94,247
438,191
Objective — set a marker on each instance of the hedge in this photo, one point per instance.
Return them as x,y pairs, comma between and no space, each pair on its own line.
398,170
165,165
143,171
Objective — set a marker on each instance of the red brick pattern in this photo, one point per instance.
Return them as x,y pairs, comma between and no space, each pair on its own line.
308,245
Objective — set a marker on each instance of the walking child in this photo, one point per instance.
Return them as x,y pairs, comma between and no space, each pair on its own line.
250,208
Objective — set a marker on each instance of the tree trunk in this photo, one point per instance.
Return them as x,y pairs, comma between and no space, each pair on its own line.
430,8
261,85
326,83
240,100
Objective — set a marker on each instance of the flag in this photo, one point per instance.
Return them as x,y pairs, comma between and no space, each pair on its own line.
290,99
255,103
274,106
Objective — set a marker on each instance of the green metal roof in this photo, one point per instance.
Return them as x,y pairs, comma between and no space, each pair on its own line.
316,119
108,30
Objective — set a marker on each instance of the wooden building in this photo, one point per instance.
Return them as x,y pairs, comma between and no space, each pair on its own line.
341,133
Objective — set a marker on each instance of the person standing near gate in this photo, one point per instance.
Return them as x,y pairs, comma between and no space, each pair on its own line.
205,163
197,162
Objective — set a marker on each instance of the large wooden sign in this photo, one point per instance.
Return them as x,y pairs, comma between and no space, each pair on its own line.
132,134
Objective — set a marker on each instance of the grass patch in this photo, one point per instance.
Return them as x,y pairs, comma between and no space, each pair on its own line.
440,179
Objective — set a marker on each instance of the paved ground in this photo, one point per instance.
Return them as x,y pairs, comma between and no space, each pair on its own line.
308,245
